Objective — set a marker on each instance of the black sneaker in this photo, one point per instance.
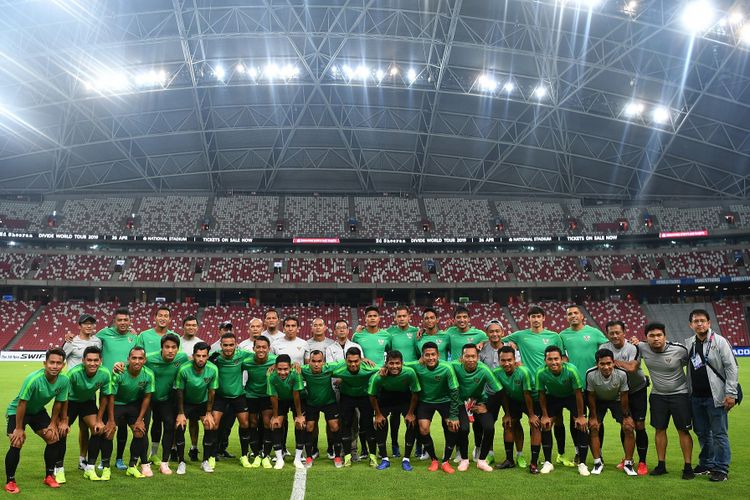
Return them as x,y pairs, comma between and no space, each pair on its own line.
193,454
226,454
688,473
700,470
533,469
717,476
507,464
658,471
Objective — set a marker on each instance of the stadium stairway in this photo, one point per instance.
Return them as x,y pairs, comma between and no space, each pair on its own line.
675,318
510,319
354,317
590,319
22,331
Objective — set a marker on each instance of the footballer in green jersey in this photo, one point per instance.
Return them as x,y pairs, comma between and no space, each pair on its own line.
374,341
439,394
462,333
38,389
431,333
560,386
284,387
196,385
319,397
581,341
86,380
394,392
256,366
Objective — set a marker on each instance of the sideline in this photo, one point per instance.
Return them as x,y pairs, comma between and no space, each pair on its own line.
300,480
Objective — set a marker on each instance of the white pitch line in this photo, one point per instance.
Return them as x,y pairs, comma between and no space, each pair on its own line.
298,489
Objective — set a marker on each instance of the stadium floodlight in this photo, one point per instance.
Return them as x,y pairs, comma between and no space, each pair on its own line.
540,92
220,73
289,71
271,71
660,115
240,68
633,109
698,16
394,70
347,71
736,18
630,8
361,72
151,78
252,72
487,83
509,87
745,34
109,81
411,75
379,74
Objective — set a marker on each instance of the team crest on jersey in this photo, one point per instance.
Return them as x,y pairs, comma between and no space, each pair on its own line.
99,385
668,360
58,391
409,336
381,341
438,378
587,337
141,384
546,341
206,379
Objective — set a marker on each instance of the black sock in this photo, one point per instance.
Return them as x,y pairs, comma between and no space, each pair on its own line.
429,446
122,440
508,450
535,449
559,430
382,450
688,467
267,446
210,439
62,447
94,445
641,443
51,453
11,463
255,443
662,464
601,436
450,444
106,451
244,440
547,445
179,441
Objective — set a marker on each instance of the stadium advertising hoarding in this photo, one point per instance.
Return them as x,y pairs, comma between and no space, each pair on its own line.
22,355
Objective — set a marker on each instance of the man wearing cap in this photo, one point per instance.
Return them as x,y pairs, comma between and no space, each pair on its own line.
74,346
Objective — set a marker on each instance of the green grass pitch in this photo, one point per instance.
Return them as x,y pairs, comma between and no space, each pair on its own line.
360,481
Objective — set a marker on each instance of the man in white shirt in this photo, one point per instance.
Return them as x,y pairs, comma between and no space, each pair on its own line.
290,344
75,345
319,341
189,335
254,329
337,350
271,323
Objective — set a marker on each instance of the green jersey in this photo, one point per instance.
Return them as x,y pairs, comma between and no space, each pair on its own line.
83,387
441,339
165,372
230,373
532,345
194,385
353,384
406,381
459,339
37,391
404,341
151,341
581,346
284,389
561,385
471,385
129,389
318,388
115,346
257,375
437,383
517,383
374,345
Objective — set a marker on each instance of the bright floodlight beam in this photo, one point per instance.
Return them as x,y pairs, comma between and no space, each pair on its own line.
411,75
540,92
487,83
379,74
660,115
745,34
698,16
220,73
633,109
509,87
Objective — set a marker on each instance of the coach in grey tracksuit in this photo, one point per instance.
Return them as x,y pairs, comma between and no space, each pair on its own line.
712,382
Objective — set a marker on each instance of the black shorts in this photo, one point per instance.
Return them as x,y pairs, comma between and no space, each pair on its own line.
127,414
555,406
164,412
235,405
494,403
425,411
675,405
329,411
194,411
258,405
394,399
518,408
615,407
37,422
287,405
638,403
81,409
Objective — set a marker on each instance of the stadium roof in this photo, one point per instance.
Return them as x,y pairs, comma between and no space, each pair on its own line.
605,99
